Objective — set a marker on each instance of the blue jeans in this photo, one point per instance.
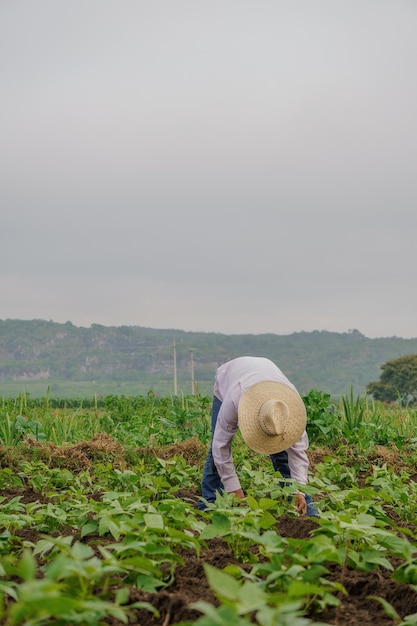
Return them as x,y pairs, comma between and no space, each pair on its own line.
211,483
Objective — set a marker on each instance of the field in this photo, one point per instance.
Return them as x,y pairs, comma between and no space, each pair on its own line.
99,525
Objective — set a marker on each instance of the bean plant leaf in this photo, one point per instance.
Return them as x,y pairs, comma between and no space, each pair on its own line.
223,585
154,520
266,521
399,546
149,584
107,525
250,597
81,551
27,566
252,502
300,589
89,528
267,503
217,616
219,527
406,574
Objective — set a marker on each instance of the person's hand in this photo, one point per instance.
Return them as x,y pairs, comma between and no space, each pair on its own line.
238,493
300,503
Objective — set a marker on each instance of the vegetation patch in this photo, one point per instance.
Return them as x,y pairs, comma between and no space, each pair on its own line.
192,450
103,529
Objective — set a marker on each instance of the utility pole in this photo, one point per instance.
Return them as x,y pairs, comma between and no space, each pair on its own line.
191,351
175,367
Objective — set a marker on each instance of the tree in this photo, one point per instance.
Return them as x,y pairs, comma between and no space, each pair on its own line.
398,381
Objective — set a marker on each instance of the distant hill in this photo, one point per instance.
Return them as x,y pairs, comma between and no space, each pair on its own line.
38,356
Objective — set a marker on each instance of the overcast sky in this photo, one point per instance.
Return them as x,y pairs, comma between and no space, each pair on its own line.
232,166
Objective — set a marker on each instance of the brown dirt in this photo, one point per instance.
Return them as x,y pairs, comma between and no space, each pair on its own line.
316,455
74,457
192,450
379,454
190,583
390,456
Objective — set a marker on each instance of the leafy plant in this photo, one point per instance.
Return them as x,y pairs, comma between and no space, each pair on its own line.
13,430
355,413
323,418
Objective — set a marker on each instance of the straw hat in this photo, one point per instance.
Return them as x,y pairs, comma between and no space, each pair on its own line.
272,417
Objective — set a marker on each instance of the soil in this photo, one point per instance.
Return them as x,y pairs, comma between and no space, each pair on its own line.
190,583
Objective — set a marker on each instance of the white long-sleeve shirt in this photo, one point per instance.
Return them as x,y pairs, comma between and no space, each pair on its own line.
232,380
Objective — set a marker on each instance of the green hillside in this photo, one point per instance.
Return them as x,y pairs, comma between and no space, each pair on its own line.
40,357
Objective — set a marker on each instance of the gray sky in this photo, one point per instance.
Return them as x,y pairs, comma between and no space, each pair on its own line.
230,165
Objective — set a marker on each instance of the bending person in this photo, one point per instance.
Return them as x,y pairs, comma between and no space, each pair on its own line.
254,395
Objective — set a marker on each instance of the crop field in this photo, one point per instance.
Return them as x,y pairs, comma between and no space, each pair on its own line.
99,522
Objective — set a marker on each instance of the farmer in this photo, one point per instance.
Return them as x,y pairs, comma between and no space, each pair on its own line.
253,394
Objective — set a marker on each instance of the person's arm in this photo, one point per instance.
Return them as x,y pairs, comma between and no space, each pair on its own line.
298,460
298,463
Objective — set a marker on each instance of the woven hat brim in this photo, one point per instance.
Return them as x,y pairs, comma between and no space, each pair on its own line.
248,410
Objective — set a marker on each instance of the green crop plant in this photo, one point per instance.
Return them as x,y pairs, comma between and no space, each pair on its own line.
14,429
242,525
158,421
13,515
177,472
396,490
66,594
355,413
9,479
70,428
333,471
297,568
189,418
239,599
361,540
120,514
39,477
387,428
323,418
